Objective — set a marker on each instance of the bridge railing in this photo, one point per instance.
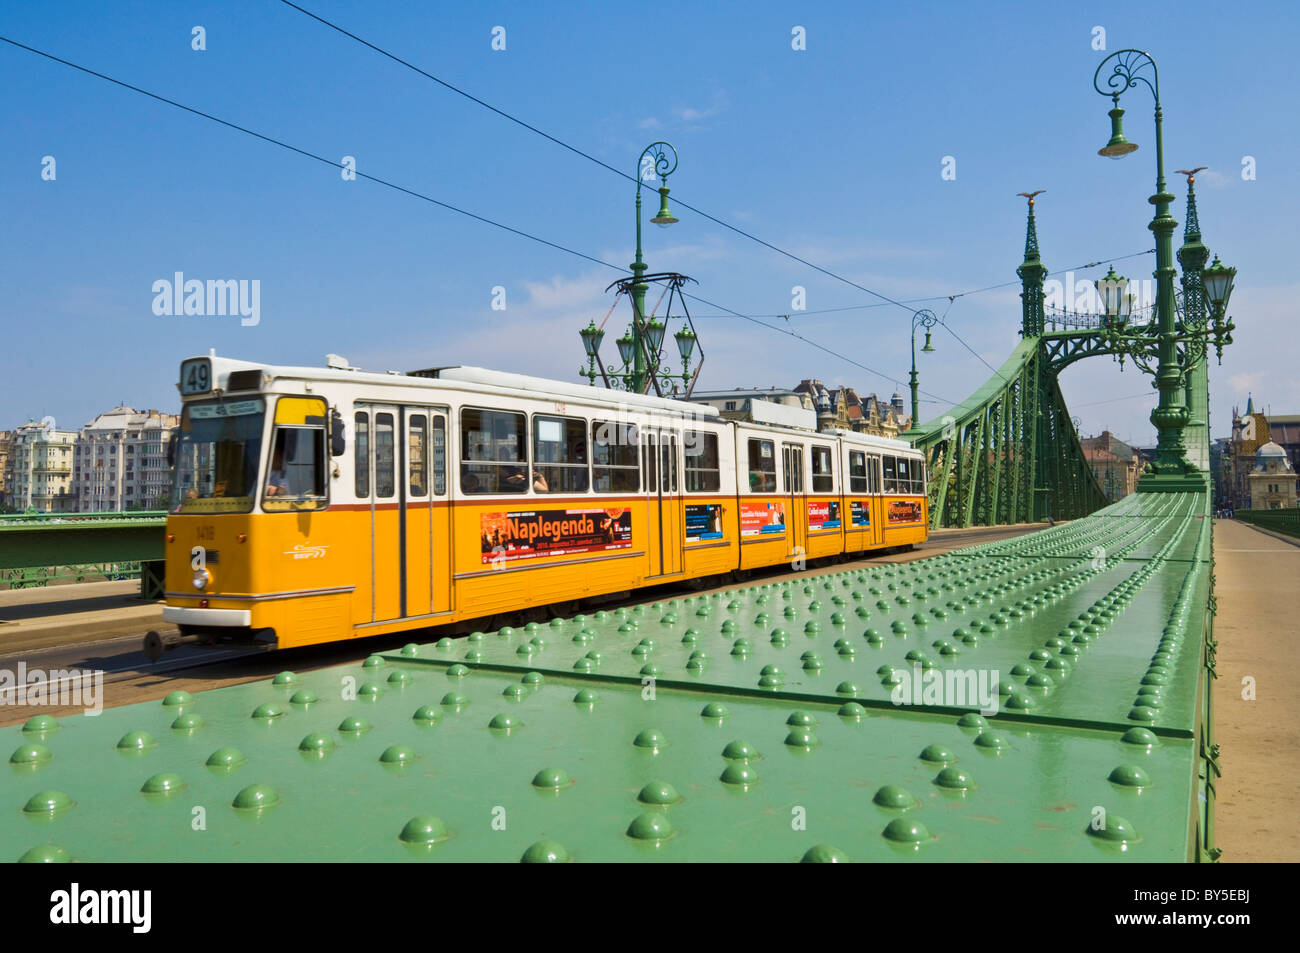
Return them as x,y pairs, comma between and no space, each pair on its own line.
1279,521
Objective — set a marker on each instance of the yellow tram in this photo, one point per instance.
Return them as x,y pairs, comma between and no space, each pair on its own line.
318,504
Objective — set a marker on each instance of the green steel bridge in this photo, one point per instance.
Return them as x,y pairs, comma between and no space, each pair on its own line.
36,550
1009,453
1056,684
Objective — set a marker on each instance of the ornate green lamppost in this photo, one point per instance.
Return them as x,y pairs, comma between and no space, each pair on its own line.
654,162
927,319
1171,471
640,348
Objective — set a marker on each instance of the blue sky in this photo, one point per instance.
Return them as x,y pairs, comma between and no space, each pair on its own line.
833,152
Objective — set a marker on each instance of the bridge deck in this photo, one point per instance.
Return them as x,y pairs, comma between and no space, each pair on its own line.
753,724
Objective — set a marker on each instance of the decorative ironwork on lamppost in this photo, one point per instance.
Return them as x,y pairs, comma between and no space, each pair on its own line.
927,319
640,349
1171,470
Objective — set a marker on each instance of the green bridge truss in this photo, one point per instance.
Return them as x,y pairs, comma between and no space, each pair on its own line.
1010,453
37,550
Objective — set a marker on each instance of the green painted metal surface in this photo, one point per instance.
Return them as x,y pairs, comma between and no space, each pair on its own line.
1009,453
35,550
754,725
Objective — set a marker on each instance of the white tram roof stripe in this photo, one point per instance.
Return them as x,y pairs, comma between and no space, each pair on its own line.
551,388
871,440
466,379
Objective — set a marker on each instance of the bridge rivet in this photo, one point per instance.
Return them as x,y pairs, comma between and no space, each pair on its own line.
545,852
32,754
424,831
954,778
316,744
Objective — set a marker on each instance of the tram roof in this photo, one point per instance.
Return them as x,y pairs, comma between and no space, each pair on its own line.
461,377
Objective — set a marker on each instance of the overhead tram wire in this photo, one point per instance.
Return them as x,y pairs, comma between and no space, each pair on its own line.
604,165
303,152
407,191
812,343
951,297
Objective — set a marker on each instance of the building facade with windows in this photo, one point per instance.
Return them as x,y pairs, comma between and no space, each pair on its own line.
41,467
6,468
1273,480
1251,431
1114,463
121,461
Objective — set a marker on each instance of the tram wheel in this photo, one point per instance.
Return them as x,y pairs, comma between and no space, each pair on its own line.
564,609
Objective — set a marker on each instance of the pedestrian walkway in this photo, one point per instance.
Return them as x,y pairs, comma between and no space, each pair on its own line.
1258,629
79,613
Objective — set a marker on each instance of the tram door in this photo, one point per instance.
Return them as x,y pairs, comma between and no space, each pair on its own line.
425,531
663,502
796,507
386,495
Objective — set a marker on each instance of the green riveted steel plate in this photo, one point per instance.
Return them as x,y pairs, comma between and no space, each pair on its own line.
614,777
1086,641
761,723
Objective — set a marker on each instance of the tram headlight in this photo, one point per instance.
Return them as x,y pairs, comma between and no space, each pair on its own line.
201,579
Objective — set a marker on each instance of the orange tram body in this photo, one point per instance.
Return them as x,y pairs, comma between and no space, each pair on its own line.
312,505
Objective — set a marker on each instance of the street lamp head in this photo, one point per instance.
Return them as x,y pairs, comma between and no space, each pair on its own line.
1112,288
654,332
1118,145
1218,280
927,349
626,348
665,217
685,343
591,338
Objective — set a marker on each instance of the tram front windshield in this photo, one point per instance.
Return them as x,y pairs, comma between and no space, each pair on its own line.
220,446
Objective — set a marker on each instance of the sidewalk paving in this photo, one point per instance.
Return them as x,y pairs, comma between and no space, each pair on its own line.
1258,629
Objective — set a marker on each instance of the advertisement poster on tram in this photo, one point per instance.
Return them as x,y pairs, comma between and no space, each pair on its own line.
904,511
703,521
510,536
860,512
823,514
761,517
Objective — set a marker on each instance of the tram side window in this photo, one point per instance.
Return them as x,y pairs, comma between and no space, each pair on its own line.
823,481
909,476
439,455
492,451
873,474
762,466
857,471
559,455
915,472
615,457
703,474
417,455
361,452
385,484
891,477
